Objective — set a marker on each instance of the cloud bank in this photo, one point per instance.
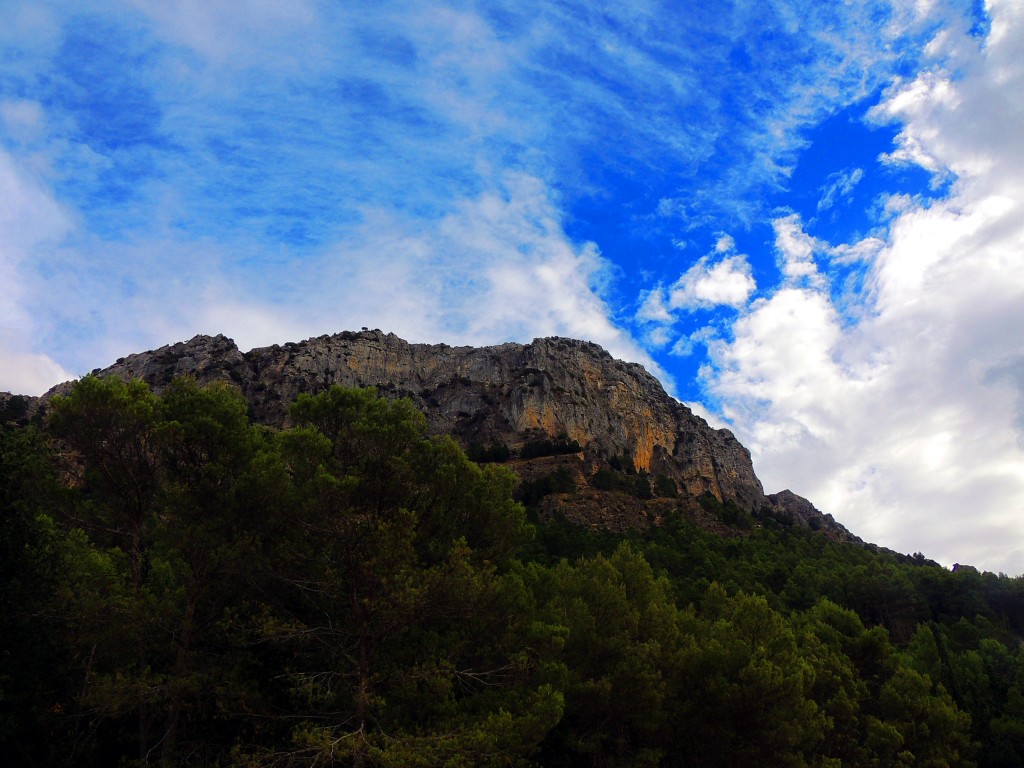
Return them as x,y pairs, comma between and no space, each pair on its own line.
904,418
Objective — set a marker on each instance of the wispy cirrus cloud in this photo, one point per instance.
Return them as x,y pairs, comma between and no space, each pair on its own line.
221,144
840,185
499,267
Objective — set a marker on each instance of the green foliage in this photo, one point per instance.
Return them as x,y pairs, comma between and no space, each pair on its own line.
622,633
728,511
608,480
396,592
665,487
179,586
530,492
13,409
622,463
174,507
749,687
35,670
642,486
637,485
494,453
547,447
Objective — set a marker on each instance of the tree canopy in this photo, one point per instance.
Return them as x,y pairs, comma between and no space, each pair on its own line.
182,586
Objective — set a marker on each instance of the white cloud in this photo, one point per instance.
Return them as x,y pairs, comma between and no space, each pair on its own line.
723,278
235,33
29,215
781,354
499,267
930,91
27,373
653,307
30,220
865,250
22,118
687,345
658,337
796,250
683,347
708,284
905,421
841,186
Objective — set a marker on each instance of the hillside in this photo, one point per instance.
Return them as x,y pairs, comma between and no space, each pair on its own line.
536,400
336,583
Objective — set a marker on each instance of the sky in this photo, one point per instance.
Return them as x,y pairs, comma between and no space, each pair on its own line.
805,218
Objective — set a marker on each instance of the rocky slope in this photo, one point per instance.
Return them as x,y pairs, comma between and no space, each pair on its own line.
514,396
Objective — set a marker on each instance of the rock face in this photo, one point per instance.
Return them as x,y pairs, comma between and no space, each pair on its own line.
797,510
509,395
17,408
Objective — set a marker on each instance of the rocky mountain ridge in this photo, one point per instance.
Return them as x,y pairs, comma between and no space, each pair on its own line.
553,405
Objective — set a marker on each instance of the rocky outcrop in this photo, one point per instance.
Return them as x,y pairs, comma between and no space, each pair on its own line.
796,510
511,395
17,409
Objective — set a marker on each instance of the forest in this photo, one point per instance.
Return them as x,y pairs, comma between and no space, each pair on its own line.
180,586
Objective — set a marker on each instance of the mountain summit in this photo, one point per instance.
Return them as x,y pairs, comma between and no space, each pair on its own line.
555,407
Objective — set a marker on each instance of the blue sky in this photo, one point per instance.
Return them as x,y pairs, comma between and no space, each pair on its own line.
804,217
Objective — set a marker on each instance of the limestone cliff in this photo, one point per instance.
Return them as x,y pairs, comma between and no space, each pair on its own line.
511,394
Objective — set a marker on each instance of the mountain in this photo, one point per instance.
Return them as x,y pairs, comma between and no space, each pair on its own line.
555,407
180,582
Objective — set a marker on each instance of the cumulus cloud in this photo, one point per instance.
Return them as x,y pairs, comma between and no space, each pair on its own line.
904,421
930,91
865,250
25,372
659,337
725,244
683,347
687,345
707,284
796,250
723,278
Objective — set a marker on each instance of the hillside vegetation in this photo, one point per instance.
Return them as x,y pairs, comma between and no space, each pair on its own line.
182,586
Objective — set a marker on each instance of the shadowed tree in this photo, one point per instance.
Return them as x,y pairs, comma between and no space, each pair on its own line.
176,492
398,607
111,428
